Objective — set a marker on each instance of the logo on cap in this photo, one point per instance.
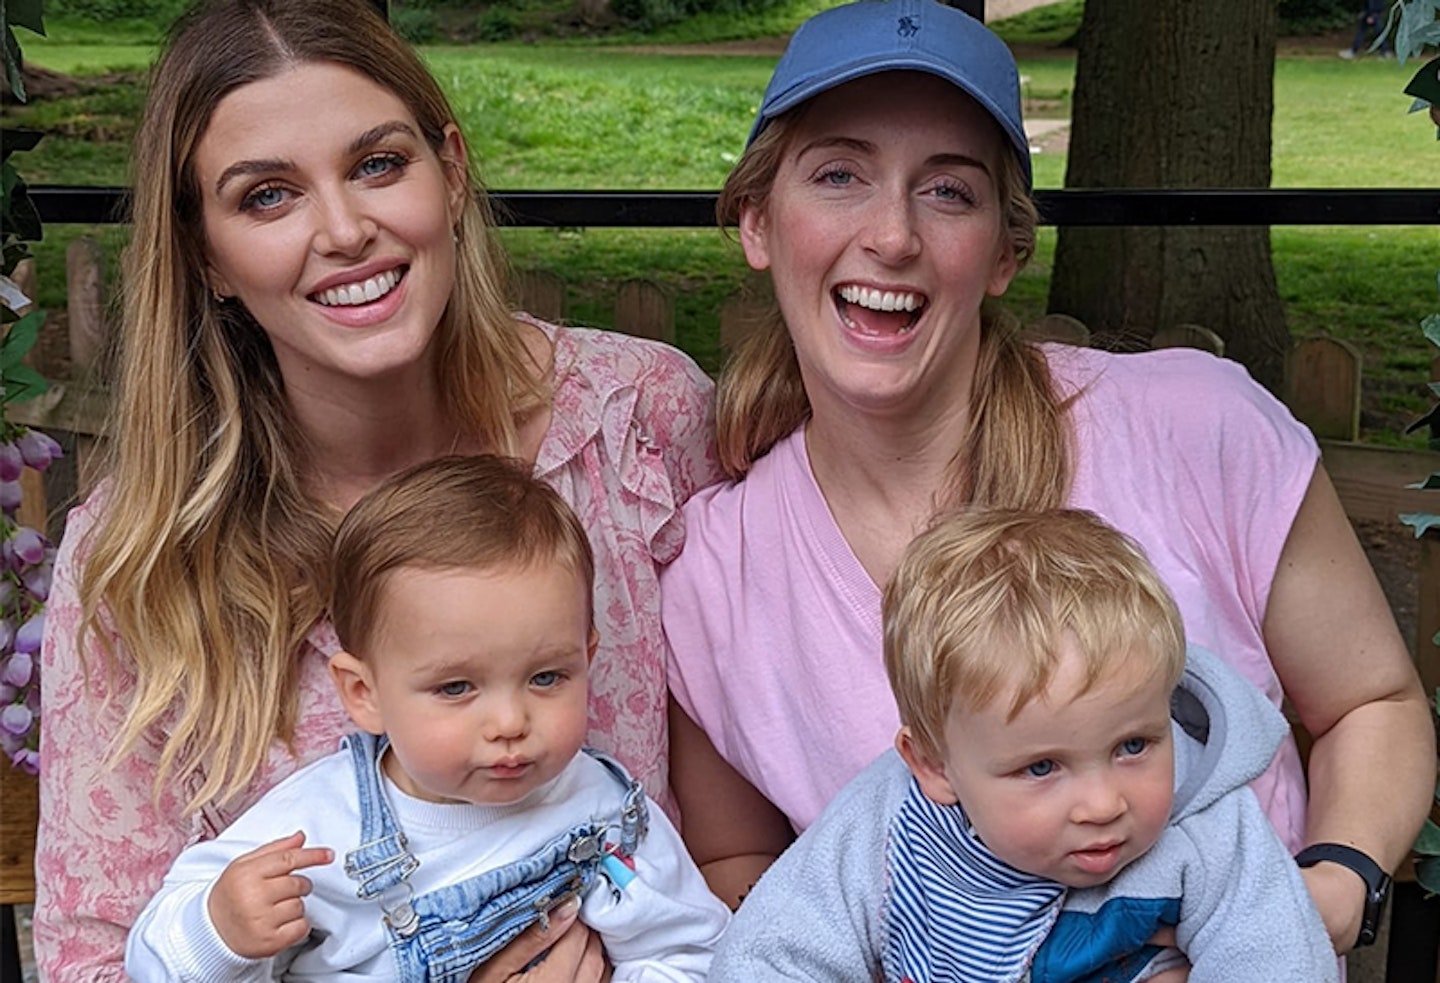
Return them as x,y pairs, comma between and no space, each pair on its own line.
908,28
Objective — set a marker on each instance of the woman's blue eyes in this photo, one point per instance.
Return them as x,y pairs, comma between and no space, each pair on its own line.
840,177
380,164
270,196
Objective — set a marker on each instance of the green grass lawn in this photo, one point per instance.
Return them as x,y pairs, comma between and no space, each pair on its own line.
573,116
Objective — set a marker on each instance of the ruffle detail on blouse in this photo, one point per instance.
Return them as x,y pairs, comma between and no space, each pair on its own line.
596,400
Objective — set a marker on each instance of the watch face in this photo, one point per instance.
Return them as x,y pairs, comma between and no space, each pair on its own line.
1375,899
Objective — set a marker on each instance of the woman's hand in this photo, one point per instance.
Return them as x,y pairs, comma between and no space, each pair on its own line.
572,952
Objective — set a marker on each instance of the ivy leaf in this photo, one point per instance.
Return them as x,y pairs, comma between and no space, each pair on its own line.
21,382
1421,522
11,296
1428,842
12,64
28,14
1427,874
20,339
12,254
18,211
18,139
1431,327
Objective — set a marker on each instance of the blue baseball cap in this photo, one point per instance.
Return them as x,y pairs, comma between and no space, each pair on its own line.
845,43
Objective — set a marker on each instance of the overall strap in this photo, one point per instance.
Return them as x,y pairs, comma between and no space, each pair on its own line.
382,863
634,810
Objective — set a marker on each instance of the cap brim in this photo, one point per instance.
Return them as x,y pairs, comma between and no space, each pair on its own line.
913,62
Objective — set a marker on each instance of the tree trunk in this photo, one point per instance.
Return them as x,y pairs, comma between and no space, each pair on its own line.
1174,94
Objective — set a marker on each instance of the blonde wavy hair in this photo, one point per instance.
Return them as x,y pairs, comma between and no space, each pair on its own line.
1017,452
204,563
980,600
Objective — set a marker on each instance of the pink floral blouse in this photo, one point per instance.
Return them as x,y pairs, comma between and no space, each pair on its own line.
631,439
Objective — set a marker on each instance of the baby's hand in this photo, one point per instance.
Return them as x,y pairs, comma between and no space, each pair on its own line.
256,904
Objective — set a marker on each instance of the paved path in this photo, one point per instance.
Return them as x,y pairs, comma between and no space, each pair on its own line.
1000,9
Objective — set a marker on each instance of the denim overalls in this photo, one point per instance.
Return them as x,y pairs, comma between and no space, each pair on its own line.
441,936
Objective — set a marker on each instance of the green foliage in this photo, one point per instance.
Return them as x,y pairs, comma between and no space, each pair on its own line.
418,25
104,11
1317,16
650,14
497,24
19,222
1054,24
1416,26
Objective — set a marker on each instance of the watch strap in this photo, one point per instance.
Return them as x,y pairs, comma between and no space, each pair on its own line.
1377,882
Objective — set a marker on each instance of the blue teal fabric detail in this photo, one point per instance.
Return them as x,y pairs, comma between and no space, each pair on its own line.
1105,945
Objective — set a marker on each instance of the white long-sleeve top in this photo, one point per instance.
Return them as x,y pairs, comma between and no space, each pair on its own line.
662,928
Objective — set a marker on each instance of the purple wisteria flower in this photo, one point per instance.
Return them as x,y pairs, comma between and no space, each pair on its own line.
26,562
12,462
17,669
37,449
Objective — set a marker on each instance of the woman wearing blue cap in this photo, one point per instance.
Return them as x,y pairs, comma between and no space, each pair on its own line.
885,186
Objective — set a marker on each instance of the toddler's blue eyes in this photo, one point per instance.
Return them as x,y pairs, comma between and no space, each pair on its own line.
1134,745
545,680
457,688
1040,768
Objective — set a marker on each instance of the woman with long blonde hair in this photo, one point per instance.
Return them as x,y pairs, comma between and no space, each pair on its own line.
314,300
885,187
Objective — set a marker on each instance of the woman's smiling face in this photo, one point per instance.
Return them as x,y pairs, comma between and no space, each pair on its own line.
883,232
329,216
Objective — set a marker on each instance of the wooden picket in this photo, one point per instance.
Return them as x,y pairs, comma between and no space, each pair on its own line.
1058,327
1189,336
645,309
85,304
744,312
1322,387
541,293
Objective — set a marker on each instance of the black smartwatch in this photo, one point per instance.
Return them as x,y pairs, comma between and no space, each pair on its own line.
1377,882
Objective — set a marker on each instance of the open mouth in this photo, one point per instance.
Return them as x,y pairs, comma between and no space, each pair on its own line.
365,291
878,313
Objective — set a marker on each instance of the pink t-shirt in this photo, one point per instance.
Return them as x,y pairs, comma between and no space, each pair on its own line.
774,626
632,437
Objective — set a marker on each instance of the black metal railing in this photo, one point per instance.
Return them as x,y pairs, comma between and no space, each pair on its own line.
696,209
